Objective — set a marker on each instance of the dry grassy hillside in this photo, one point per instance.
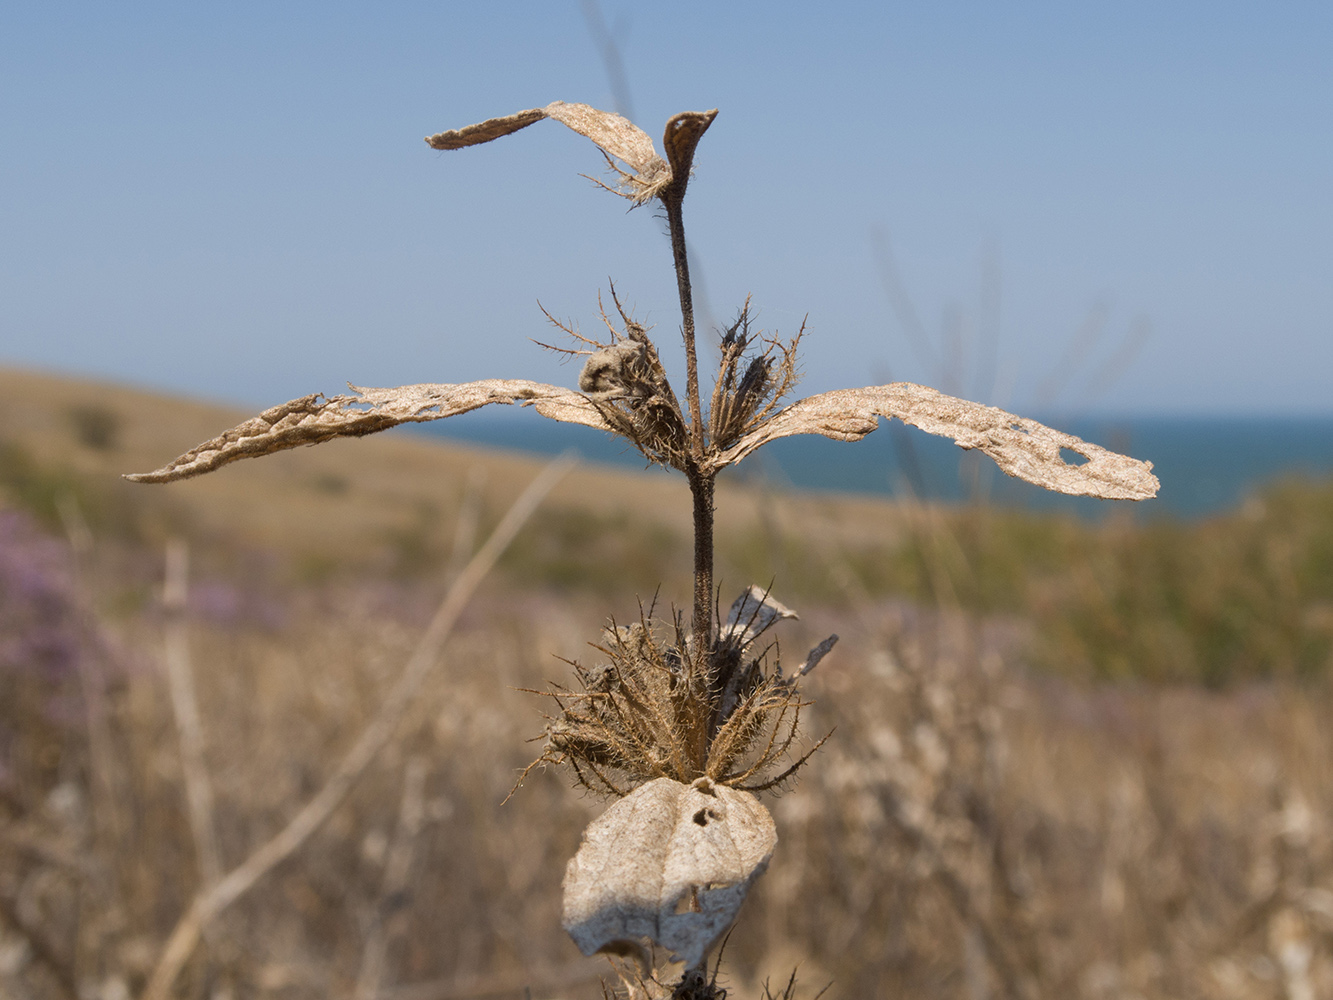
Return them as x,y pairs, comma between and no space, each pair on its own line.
973,829
349,503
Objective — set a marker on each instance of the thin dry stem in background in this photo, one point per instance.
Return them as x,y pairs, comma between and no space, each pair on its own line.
386,921
465,529
185,707
703,711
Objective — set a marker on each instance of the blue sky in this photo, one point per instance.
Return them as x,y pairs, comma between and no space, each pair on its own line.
1114,207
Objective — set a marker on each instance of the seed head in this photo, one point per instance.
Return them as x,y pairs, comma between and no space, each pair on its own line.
653,708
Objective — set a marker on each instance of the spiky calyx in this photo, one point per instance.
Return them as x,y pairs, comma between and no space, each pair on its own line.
654,708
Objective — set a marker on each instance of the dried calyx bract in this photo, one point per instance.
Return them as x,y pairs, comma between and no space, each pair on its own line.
646,713
678,712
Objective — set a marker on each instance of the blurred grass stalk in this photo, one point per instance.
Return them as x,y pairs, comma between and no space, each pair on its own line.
185,709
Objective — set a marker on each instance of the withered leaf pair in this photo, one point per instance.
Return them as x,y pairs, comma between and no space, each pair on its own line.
648,176
1021,447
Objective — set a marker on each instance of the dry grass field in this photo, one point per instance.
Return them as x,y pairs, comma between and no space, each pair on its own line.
1069,761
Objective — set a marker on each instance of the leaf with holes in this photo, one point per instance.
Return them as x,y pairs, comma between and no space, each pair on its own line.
671,864
1021,447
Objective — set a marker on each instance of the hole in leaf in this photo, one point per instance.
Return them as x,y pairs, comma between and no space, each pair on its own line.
701,817
634,950
1018,427
1071,457
689,901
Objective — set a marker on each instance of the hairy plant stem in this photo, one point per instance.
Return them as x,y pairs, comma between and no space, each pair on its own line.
701,482
681,259
701,488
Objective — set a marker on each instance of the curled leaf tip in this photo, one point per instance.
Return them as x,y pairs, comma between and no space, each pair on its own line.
683,132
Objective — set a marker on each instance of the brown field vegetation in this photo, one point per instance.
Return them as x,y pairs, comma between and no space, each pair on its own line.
1070,760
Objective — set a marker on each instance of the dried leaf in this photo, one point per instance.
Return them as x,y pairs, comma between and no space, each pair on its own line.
683,132
1022,448
312,419
616,136
493,128
670,863
751,615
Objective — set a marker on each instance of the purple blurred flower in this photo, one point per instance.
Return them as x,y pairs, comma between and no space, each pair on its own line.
223,604
41,631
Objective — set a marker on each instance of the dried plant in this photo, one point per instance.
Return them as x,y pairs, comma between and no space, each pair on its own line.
685,722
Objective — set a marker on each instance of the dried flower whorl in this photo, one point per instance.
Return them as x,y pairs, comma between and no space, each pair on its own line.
654,709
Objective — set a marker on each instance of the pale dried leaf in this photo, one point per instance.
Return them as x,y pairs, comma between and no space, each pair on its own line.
669,863
493,128
614,135
1022,448
312,419
751,615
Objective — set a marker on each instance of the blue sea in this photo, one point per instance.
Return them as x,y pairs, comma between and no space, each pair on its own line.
1206,465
